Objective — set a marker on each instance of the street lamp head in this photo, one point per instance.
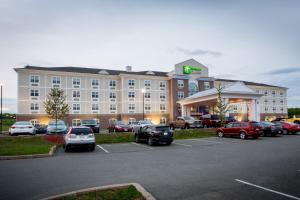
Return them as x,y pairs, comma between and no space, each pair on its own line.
143,90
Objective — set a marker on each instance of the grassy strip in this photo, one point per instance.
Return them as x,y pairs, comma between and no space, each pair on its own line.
5,127
12,146
122,193
129,137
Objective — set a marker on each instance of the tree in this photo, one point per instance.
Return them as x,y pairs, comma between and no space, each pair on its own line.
55,104
221,106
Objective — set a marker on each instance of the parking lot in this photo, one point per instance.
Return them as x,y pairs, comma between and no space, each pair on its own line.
210,168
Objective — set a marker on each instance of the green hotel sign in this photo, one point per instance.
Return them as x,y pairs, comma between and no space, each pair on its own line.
186,69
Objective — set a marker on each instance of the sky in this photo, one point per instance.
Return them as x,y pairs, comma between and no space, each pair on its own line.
244,40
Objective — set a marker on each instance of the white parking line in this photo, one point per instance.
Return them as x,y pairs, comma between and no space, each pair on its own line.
267,189
206,141
141,145
102,148
186,145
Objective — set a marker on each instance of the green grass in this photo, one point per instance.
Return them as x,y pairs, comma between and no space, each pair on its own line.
129,137
12,146
5,127
122,193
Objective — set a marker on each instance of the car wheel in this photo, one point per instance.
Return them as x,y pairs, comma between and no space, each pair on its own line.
285,131
242,135
66,148
137,139
169,143
255,137
92,148
186,126
220,134
150,141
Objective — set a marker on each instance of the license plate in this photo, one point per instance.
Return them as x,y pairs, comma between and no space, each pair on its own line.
165,133
82,136
125,129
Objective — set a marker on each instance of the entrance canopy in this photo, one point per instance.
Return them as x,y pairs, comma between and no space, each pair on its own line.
232,93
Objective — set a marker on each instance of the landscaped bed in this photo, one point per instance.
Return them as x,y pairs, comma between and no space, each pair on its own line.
120,193
20,145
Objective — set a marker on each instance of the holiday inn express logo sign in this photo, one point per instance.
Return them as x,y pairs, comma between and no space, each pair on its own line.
186,69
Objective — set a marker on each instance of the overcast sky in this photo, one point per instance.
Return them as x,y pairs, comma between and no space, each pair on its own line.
246,40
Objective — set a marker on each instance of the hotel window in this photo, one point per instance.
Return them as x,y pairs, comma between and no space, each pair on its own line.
266,109
281,109
76,82
147,107
257,91
76,94
112,107
206,85
281,94
76,122
274,109
266,101
131,107
281,101
162,96
163,120
34,107
131,120
130,82
273,93
147,95
266,92
235,107
56,81
147,83
180,95
112,83
131,94
112,95
76,107
95,107
274,101
162,107
162,85
34,93
180,83
34,79
95,95
95,83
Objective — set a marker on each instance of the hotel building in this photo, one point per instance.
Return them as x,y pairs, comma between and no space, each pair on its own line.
106,94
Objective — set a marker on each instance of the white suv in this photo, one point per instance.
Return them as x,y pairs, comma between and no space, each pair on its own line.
79,136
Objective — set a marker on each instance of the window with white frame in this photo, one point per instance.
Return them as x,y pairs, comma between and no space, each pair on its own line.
274,109
162,96
273,93
112,95
34,107
56,81
112,83
235,107
266,100
147,107
266,92
76,94
131,94
147,95
162,107
206,85
95,94
130,82
147,83
162,85
76,122
281,109
34,93
281,94
34,78
112,107
131,120
180,94
274,101
163,120
95,83
76,107
34,122
131,107
281,101
95,107
76,82
266,109
180,83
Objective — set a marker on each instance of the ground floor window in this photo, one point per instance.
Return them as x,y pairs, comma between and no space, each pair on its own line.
163,121
131,120
112,120
76,122
34,122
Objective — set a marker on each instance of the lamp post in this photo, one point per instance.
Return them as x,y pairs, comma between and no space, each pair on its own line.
143,92
1,85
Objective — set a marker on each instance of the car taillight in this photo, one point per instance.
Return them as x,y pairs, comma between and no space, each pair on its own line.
91,135
29,127
13,127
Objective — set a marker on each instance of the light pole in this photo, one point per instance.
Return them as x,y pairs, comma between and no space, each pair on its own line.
143,92
1,85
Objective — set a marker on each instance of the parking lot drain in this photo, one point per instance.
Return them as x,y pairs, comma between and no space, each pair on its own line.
267,189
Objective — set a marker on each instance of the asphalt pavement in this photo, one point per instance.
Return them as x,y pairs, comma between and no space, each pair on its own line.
212,168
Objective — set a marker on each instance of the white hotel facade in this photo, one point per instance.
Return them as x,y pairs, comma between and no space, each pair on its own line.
106,94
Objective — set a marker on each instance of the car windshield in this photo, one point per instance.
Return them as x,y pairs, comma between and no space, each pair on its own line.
89,122
145,122
267,124
133,123
162,128
61,123
188,118
120,123
81,131
23,123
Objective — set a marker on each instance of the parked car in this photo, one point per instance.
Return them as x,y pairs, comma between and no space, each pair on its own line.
119,126
295,119
153,134
79,136
288,127
40,128
140,124
270,129
93,124
56,128
22,127
241,129
185,122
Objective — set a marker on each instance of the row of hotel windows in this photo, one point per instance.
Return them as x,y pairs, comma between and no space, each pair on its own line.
56,82
238,108
95,107
267,92
274,101
112,95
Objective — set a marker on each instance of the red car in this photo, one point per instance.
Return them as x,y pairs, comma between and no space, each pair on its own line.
288,127
119,126
241,129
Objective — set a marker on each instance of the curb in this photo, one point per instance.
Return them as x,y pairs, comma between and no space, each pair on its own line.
139,188
51,153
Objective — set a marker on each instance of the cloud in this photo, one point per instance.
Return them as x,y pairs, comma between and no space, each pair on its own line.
284,71
197,52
